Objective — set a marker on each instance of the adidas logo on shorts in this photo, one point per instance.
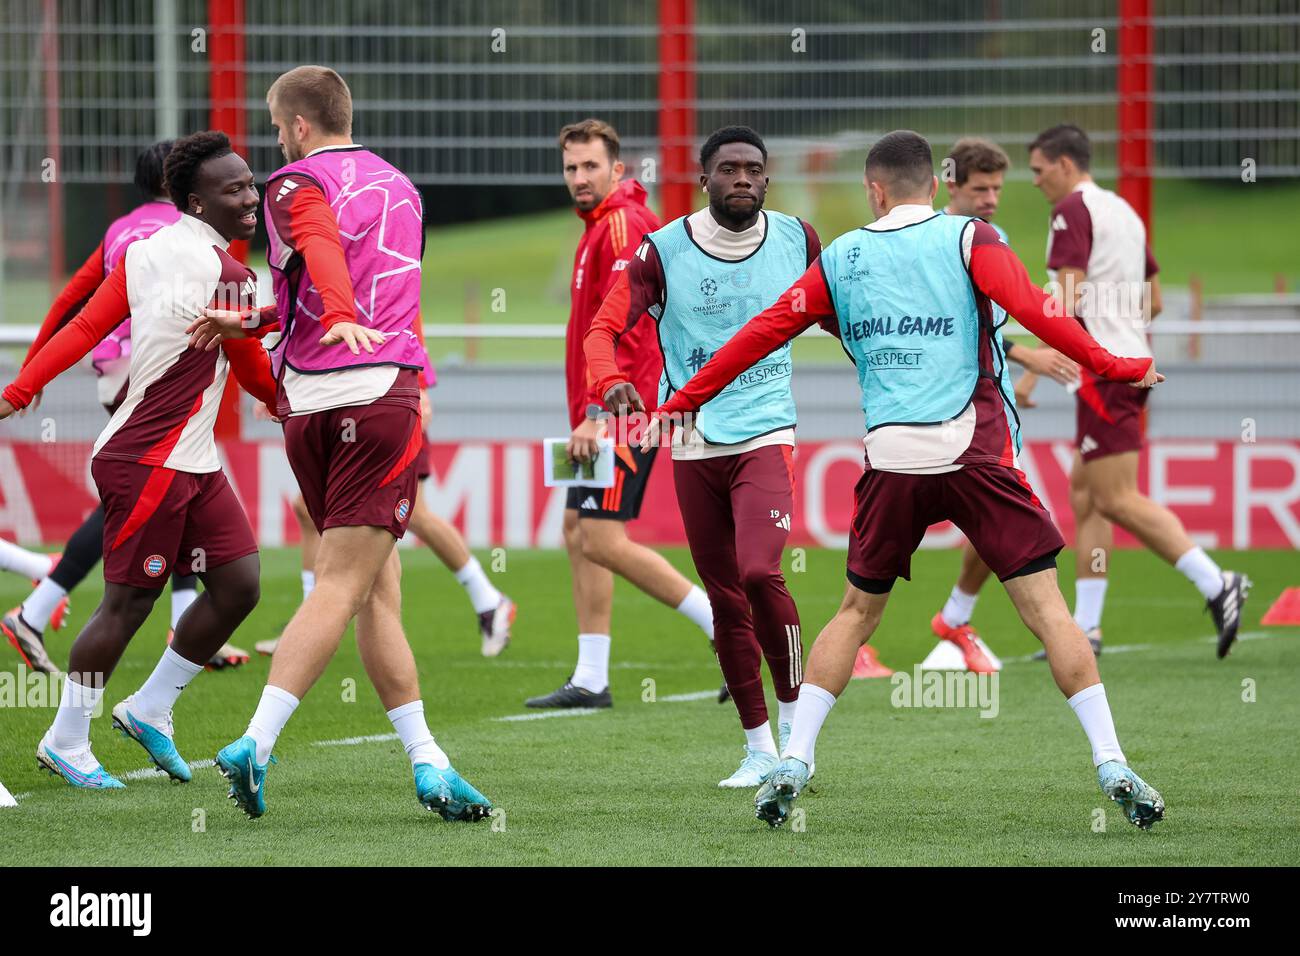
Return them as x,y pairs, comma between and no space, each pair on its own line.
590,503
784,523
1088,444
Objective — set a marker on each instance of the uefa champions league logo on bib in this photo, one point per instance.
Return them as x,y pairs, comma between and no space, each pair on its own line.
709,288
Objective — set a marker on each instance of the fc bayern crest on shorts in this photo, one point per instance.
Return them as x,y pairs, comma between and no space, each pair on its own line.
155,565
403,509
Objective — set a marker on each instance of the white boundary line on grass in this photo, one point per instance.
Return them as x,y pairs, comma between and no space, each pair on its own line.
146,773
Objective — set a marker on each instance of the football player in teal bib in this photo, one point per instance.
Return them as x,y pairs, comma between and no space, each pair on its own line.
974,169
700,279
912,296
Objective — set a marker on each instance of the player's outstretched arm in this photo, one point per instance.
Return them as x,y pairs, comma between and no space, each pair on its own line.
102,314
252,368
999,274
74,295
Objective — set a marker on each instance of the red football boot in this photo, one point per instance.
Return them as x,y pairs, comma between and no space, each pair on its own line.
977,661
868,664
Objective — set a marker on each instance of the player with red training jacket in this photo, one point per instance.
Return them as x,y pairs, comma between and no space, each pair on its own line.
911,296
344,229
167,503
1098,255
616,217
25,625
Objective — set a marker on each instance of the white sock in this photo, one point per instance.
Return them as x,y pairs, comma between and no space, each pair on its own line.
815,704
760,738
1090,707
1199,568
40,604
474,579
696,607
408,721
181,601
785,711
592,672
21,561
308,583
959,607
71,727
158,694
273,712
1089,596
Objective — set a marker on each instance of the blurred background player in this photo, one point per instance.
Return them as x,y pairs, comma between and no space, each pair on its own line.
1097,252
732,470
973,174
616,217
911,292
338,216
495,612
167,503
25,625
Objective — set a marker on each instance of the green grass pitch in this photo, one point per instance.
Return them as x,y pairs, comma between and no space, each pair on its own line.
636,785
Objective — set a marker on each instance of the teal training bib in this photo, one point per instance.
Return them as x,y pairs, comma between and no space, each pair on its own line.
909,321
707,301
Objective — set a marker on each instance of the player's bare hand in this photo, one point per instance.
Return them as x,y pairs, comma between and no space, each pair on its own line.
650,437
623,399
1025,390
212,325
1047,361
1151,379
356,337
585,440
5,409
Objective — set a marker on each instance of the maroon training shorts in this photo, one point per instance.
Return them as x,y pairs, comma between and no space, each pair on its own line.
158,520
993,505
357,465
1110,418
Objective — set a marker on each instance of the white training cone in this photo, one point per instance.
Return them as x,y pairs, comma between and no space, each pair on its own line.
6,798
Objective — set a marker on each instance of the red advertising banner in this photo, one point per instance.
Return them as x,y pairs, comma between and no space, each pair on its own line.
1228,494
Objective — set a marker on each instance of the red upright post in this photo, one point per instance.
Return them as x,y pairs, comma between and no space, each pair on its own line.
226,78
676,106
54,190
1135,87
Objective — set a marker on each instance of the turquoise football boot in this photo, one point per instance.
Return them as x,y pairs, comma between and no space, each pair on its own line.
449,794
1140,802
156,739
753,771
776,797
79,769
238,764
783,741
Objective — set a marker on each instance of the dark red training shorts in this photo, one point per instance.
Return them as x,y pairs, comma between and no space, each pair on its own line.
158,520
993,505
1110,418
357,465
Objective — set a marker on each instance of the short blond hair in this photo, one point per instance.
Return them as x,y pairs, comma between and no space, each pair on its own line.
586,130
317,94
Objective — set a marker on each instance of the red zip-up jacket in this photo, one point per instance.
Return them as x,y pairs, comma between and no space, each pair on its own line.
614,230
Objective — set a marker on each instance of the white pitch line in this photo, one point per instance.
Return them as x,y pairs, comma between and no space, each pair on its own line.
144,773
353,741
547,714
694,695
